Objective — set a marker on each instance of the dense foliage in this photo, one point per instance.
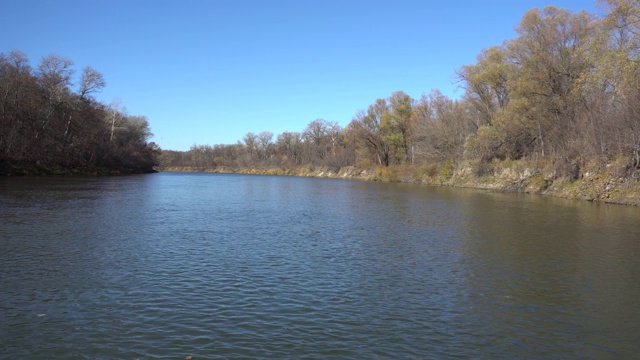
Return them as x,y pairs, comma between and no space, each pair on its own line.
46,124
566,89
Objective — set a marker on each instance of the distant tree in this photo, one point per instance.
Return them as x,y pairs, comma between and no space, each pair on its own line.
320,139
91,82
365,133
441,127
396,125
265,147
486,84
289,144
115,115
251,148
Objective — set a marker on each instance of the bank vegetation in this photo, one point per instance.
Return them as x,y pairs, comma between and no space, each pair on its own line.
50,126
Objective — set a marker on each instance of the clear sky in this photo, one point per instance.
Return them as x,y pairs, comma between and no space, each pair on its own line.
210,71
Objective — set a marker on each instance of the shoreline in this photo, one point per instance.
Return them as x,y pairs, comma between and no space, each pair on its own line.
27,169
595,186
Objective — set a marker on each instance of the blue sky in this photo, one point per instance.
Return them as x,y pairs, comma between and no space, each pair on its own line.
209,71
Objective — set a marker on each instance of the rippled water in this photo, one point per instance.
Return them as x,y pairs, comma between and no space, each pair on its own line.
231,266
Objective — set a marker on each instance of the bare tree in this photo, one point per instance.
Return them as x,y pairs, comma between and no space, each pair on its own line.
264,142
91,81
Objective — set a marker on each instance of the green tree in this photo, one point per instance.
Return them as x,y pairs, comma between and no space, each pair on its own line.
395,125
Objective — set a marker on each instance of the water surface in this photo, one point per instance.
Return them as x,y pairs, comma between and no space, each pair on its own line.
234,266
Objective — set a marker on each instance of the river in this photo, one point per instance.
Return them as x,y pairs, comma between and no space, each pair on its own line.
220,266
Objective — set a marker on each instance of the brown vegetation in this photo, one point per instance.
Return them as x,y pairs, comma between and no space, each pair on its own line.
48,128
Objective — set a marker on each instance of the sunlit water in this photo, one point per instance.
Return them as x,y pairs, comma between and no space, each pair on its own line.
231,266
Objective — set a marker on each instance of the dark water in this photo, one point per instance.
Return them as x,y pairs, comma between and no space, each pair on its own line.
230,266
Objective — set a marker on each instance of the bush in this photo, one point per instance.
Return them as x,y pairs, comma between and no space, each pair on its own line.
385,173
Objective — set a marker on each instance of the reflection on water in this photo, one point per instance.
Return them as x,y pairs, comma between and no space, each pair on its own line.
232,266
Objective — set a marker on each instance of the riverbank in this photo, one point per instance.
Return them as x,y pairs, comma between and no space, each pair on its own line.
606,183
29,169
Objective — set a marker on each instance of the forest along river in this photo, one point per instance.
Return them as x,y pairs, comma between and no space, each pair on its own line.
237,266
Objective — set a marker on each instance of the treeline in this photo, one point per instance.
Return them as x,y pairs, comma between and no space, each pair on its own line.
565,91
47,124
321,143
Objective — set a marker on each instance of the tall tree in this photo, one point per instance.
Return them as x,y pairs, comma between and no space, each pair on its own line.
250,141
486,84
290,146
616,80
396,125
265,144
550,57
91,81
364,132
441,127
320,139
